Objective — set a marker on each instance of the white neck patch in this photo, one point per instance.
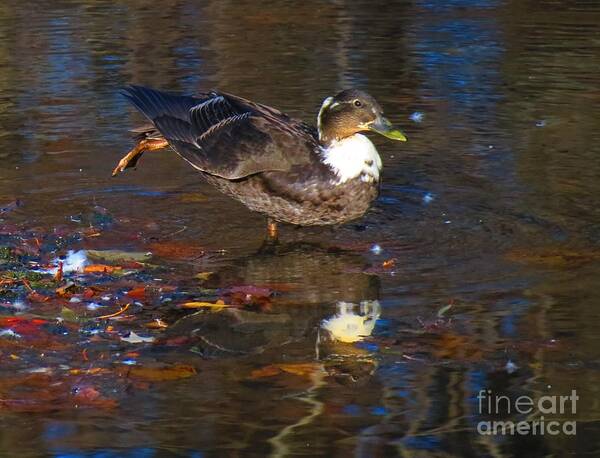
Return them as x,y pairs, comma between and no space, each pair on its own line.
326,103
353,157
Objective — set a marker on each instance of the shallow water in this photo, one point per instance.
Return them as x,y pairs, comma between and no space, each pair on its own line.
491,206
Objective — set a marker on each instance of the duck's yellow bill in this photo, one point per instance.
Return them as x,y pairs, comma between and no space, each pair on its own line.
384,127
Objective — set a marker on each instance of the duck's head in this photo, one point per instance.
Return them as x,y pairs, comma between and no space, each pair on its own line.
350,112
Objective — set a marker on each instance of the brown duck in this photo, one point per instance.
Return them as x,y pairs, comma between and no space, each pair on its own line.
273,164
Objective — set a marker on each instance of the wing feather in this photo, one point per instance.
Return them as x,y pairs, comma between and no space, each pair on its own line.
225,135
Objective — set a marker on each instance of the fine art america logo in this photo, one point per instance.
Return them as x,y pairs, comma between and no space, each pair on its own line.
548,414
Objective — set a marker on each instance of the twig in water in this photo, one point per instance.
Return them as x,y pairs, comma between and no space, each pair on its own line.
113,314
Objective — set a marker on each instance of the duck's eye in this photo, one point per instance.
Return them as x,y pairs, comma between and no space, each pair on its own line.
357,103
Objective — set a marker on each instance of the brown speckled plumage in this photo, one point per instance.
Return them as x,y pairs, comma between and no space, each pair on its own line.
269,194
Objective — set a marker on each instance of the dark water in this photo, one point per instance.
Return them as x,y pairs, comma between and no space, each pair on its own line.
492,205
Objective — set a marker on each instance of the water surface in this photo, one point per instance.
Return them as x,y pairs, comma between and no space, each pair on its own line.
491,206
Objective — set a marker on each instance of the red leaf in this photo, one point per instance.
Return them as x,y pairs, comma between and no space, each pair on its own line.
137,293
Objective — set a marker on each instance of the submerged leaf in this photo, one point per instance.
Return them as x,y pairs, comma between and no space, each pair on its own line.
137,293
203,276
209,305
176,250
68,315
101,268
134,338
300,369
118,255
162,373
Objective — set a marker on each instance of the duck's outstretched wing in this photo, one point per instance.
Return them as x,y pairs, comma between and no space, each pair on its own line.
225,135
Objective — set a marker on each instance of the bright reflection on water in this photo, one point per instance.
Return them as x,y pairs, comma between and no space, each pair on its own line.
491,206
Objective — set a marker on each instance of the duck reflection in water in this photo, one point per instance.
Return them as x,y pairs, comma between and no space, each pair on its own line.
310,279
352,323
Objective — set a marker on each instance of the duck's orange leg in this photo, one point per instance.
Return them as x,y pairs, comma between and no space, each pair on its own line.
131,158
272,229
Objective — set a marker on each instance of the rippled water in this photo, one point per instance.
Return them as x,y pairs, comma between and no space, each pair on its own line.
492,206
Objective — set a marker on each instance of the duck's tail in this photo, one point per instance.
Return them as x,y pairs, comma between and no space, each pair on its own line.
154,105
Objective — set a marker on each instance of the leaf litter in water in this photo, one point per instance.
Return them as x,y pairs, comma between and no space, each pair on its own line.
80,319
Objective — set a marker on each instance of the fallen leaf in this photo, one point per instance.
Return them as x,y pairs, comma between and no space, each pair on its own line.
118,255
100,268
64,290
90,371
176,250
137,293
388,263
68,315
58,276
22,325
301,369
157,324
203,276
134,338
199,305
162,373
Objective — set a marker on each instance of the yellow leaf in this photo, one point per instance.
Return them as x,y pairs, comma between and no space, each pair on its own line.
157,324
209,305
203,276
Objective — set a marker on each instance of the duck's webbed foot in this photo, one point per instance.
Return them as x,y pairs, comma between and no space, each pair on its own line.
133,156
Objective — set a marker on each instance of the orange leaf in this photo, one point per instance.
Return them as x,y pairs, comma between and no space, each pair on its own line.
91,371
157,324
59,272
389,263
100,268
301,369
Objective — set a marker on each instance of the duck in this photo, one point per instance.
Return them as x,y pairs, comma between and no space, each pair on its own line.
275,165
